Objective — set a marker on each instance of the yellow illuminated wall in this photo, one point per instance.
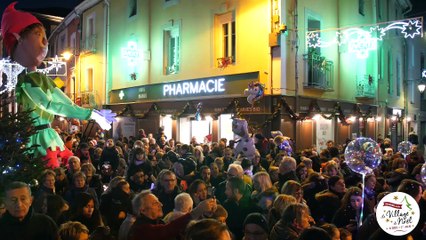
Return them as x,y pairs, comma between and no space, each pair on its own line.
91,64
198,38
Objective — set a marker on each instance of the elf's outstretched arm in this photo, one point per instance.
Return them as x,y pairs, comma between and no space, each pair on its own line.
54,101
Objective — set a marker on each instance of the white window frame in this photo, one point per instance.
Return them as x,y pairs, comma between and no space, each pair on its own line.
225,43
171,63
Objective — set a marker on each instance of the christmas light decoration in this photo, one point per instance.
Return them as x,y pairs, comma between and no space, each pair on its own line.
360,41
13,69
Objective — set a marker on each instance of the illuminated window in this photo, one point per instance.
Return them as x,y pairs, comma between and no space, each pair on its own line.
89,83
171,48
226,36
132,8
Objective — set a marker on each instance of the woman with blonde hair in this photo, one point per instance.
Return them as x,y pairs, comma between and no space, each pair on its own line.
199,156
277,210
294,189
261,182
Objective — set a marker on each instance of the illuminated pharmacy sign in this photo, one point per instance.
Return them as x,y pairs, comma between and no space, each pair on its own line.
214,85
131,53
208,87
361,40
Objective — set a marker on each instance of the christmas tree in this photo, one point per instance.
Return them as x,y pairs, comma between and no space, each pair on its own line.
16,161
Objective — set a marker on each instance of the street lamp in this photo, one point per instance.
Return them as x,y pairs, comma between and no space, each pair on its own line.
67,55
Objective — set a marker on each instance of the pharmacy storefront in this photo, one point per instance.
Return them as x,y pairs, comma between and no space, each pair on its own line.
200,108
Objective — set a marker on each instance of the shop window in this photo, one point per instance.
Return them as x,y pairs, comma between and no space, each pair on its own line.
184,130
167,123
171,48
225,127
200,129
132,8
226,37
189,127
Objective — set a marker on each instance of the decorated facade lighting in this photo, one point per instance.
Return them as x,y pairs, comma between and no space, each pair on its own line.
316,117
363,39
408,119
352,118
361,119
394,118
13,69
378,119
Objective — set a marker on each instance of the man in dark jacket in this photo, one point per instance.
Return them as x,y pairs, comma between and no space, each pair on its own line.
20,221
238,205
148,224
329,200
167,190
287,171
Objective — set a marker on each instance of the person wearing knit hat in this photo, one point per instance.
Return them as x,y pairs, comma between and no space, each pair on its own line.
24,38
255,227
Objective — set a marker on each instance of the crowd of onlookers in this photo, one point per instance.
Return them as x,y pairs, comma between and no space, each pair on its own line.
151,187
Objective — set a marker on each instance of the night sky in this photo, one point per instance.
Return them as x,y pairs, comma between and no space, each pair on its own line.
63,7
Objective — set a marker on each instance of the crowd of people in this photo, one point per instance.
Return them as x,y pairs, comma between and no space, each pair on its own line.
152,187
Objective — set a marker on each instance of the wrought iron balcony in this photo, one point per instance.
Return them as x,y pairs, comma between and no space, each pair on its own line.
365,87
319,72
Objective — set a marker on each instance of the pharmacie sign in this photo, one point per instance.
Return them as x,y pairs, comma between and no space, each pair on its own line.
214,85
202,87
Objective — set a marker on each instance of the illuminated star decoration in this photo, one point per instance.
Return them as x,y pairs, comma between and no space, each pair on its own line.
11,70
424,74
55,64
361,41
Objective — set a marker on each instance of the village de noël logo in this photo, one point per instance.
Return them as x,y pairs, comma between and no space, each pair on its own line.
398,213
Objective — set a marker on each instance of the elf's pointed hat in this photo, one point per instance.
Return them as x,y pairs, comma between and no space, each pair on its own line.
14,21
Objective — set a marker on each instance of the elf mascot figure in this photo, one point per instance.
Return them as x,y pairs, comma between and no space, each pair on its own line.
245,145
24,38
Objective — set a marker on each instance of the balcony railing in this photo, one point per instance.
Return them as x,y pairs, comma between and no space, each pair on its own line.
89,99
365,87
319,72
89,44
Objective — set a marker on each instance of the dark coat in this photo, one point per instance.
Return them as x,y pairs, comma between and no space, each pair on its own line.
167,199
112,204
237,212
328,203
283,232
145,228
39,197
34,226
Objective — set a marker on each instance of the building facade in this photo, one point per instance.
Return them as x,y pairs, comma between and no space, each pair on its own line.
184,65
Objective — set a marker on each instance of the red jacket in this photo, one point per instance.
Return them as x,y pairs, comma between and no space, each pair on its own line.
146,228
